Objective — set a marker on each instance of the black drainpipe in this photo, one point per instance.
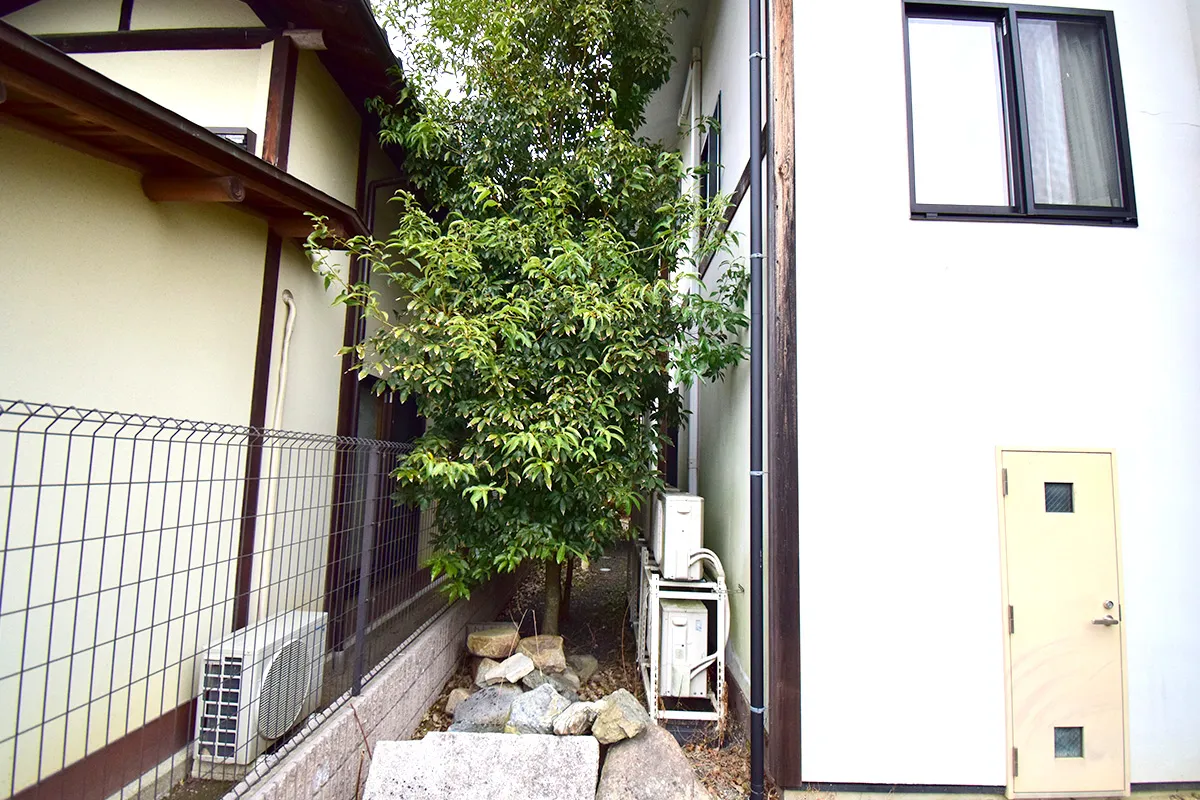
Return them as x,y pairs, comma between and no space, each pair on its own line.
757,706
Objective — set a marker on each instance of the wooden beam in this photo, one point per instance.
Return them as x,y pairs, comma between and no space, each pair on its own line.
122,125
783,545
125,22
281,92
168,39
3,92
227,189
243,575
125,119
306,39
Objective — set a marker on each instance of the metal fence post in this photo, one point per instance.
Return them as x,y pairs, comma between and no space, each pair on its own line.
364,568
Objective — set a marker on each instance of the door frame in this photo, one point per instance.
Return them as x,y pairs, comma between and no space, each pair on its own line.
1008,709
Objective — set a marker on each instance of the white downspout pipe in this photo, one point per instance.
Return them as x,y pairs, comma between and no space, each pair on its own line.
268,551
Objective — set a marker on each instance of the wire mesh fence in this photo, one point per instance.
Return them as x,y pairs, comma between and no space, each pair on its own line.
177,598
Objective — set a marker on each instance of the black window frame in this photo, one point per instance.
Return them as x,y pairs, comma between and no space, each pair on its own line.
1024,208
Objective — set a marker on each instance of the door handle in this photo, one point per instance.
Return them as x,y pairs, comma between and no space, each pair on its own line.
1107,621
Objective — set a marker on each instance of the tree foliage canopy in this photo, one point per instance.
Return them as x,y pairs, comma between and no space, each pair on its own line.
537,296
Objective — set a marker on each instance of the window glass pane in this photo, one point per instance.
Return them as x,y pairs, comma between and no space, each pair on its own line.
1068,98
960,144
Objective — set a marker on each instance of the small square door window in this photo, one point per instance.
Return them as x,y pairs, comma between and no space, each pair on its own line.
1060,498
1068,742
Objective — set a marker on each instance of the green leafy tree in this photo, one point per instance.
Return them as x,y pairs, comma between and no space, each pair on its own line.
541,300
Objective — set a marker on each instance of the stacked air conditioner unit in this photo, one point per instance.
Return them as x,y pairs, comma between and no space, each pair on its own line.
254,687
676,534
676,537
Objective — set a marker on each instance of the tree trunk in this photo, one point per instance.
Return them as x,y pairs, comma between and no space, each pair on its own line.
553,594
565,613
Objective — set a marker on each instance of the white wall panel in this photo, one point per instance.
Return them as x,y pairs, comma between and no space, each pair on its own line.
925,345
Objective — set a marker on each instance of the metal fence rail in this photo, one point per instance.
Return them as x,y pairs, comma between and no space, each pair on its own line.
177,598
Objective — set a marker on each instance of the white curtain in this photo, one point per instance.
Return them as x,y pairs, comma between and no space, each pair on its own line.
1072,140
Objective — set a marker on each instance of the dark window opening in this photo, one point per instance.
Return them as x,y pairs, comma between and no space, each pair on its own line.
710,156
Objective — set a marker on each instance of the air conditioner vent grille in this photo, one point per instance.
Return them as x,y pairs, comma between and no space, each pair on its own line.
218,716
284,689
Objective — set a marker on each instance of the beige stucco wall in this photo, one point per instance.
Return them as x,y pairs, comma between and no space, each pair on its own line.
76,16
325,127
192,14
67,16
213,88
115,302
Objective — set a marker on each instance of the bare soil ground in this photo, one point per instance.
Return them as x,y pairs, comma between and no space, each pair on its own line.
598,624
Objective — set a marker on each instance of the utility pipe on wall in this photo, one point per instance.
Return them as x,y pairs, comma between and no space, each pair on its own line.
696,85
268,551
757,704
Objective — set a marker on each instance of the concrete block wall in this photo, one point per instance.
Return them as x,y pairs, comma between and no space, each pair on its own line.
333,762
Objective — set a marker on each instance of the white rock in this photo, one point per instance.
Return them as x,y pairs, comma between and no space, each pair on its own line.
576,720
510,670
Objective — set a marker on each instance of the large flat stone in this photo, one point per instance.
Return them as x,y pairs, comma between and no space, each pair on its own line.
649,767
485,766
546,651
493,640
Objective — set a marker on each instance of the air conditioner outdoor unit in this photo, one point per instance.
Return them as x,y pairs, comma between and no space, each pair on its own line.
254,687
684,658
676,533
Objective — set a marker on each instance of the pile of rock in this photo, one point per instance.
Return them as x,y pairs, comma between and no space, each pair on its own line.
529,685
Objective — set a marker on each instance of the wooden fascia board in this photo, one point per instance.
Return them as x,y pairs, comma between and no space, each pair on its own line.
39,70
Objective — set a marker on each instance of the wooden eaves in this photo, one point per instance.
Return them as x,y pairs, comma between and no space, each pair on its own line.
49,94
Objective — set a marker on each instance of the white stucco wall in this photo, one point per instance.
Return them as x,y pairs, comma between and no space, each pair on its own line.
1193,7
925,345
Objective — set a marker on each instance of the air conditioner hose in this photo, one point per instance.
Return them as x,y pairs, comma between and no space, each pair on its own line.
704,554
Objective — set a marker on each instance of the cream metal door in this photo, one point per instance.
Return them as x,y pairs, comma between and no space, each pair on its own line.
1065,642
